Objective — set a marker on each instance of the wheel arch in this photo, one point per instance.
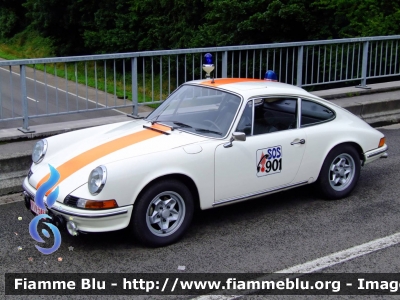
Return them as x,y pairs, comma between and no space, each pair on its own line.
179,177
355,145
346,187
358,149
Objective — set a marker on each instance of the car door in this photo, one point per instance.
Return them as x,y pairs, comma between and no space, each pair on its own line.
269,158
315,120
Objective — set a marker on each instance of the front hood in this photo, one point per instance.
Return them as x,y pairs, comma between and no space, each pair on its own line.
75,154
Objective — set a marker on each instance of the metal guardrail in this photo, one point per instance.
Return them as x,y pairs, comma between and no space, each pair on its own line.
66,85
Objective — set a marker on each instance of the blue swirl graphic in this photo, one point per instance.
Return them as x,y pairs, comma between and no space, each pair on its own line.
35,235
51,199
45,187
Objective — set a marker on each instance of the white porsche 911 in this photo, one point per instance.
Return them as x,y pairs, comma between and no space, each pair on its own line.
211,143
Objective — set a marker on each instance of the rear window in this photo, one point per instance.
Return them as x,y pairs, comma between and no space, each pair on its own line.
313,113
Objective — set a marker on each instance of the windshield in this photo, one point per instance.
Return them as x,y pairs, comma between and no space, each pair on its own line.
199,110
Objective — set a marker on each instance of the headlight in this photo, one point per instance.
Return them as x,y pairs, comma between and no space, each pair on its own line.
97,180
39,151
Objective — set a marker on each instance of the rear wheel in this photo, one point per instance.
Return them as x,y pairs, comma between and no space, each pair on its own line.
163,213
340,172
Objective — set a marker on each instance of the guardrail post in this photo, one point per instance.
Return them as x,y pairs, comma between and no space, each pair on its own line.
299,79
135,91
1,106
363,84
24,100
224,64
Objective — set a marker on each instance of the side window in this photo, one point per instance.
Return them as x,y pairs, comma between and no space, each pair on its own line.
270,115
274,114
313,113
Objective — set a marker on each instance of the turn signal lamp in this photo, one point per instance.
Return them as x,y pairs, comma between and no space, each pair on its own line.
92,204
382,142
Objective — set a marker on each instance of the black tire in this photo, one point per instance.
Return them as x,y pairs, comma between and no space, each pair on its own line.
340,159
160,203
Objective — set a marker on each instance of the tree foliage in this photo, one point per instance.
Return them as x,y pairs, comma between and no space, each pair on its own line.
363,17
12,17
60,20
102,26
263,21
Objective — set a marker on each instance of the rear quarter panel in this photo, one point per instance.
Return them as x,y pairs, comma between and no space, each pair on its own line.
322,138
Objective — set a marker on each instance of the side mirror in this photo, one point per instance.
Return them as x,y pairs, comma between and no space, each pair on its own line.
236,136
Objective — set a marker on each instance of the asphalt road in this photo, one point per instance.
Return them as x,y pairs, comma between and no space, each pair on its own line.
265,235
47,95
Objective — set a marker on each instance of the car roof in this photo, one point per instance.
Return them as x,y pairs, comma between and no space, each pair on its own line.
251,87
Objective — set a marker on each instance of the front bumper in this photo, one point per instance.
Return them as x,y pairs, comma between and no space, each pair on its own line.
86,220
375,154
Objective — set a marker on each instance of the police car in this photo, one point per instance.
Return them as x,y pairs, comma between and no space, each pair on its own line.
213,142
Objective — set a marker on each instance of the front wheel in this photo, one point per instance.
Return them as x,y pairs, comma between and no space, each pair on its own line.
162,213
340,172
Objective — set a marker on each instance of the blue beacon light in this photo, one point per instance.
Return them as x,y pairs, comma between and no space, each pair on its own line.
208,59
208,65
270,76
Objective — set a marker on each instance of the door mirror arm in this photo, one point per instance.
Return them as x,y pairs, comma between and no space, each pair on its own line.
236,136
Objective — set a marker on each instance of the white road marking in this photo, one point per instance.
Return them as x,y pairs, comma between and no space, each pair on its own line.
58,89
217,297
345,255
32,99
328,261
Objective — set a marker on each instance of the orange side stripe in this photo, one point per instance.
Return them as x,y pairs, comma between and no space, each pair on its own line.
85,158
222,81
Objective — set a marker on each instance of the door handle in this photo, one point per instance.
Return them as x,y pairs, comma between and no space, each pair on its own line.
302,141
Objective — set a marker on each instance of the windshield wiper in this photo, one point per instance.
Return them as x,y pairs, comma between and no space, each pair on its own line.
183,125
207,131
180,124
158,122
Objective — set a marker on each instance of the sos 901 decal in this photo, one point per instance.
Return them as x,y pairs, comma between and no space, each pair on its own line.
269,161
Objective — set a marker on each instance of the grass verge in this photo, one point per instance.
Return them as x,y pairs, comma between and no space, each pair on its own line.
107,76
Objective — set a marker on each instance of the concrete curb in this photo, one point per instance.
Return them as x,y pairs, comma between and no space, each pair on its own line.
374,107
373,113
355,91
14,169
11,198
42,131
